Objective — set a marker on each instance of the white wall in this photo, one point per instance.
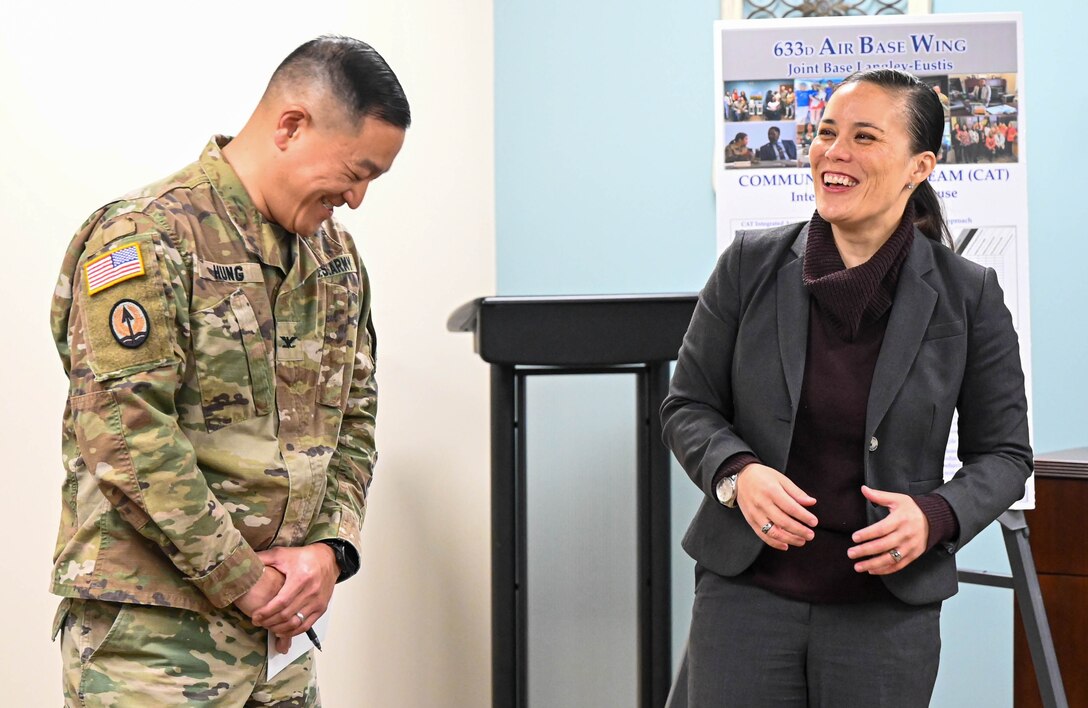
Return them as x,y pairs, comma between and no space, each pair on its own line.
98,99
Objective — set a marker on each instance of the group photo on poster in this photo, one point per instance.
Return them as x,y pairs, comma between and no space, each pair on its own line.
984,118
791,109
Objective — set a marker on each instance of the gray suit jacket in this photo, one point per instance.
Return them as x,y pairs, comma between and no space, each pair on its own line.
949,344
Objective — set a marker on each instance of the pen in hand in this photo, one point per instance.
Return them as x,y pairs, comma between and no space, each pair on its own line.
312,635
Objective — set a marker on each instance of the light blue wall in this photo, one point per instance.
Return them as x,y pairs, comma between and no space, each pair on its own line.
603,141
603,166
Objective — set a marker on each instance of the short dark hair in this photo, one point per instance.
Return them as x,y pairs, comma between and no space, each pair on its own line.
925,125
358,77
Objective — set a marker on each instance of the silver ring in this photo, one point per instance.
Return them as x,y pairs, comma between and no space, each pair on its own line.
301,617
896,555
767,527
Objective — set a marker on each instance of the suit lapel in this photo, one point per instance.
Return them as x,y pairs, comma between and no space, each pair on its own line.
792,300
910,315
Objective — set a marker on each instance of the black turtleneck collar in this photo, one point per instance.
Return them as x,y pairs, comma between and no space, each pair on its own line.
851,296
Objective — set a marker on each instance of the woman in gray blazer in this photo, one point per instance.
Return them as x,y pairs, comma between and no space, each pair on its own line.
812,402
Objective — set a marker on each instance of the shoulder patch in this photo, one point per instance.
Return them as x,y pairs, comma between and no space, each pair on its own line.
113,267
337,266
129,331
129,323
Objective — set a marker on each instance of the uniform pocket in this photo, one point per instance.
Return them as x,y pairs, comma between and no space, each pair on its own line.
92,623
338,347
231,362
61,617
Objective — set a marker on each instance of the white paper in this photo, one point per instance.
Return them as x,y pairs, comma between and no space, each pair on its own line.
299,645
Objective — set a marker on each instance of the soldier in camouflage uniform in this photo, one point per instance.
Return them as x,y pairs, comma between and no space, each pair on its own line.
218,439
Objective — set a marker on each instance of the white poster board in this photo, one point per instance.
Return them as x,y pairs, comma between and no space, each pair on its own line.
776,75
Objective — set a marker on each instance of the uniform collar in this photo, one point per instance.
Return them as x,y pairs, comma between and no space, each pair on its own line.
267,241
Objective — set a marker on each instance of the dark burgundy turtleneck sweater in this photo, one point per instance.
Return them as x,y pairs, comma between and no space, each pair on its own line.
848,314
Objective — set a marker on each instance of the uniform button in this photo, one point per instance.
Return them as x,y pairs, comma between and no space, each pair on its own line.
873,444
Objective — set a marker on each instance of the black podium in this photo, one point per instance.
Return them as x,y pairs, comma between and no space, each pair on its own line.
540,336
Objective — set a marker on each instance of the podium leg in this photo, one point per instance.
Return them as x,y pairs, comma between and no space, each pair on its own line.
507,660
654,532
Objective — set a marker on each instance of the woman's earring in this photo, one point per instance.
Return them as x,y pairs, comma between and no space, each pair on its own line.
910,186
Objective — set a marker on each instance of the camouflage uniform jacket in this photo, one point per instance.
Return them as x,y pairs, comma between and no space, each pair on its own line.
221,395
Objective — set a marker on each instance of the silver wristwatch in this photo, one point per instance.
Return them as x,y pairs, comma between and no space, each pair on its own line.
727,490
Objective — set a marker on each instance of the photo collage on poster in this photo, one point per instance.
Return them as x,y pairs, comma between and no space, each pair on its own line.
983,125
772,123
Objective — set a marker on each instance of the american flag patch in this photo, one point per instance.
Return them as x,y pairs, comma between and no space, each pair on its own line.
111,268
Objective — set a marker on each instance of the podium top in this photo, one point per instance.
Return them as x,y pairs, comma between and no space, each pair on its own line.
577,330
1063,463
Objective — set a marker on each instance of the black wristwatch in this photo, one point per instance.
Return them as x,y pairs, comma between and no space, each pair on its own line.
347,559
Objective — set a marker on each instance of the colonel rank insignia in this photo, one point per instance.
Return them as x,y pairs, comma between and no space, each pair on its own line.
129,323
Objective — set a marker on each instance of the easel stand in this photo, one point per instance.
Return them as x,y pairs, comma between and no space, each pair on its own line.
1023,581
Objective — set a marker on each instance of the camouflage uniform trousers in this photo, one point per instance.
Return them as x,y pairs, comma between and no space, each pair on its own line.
141,656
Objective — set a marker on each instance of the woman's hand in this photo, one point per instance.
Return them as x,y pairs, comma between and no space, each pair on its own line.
905,530
764,496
